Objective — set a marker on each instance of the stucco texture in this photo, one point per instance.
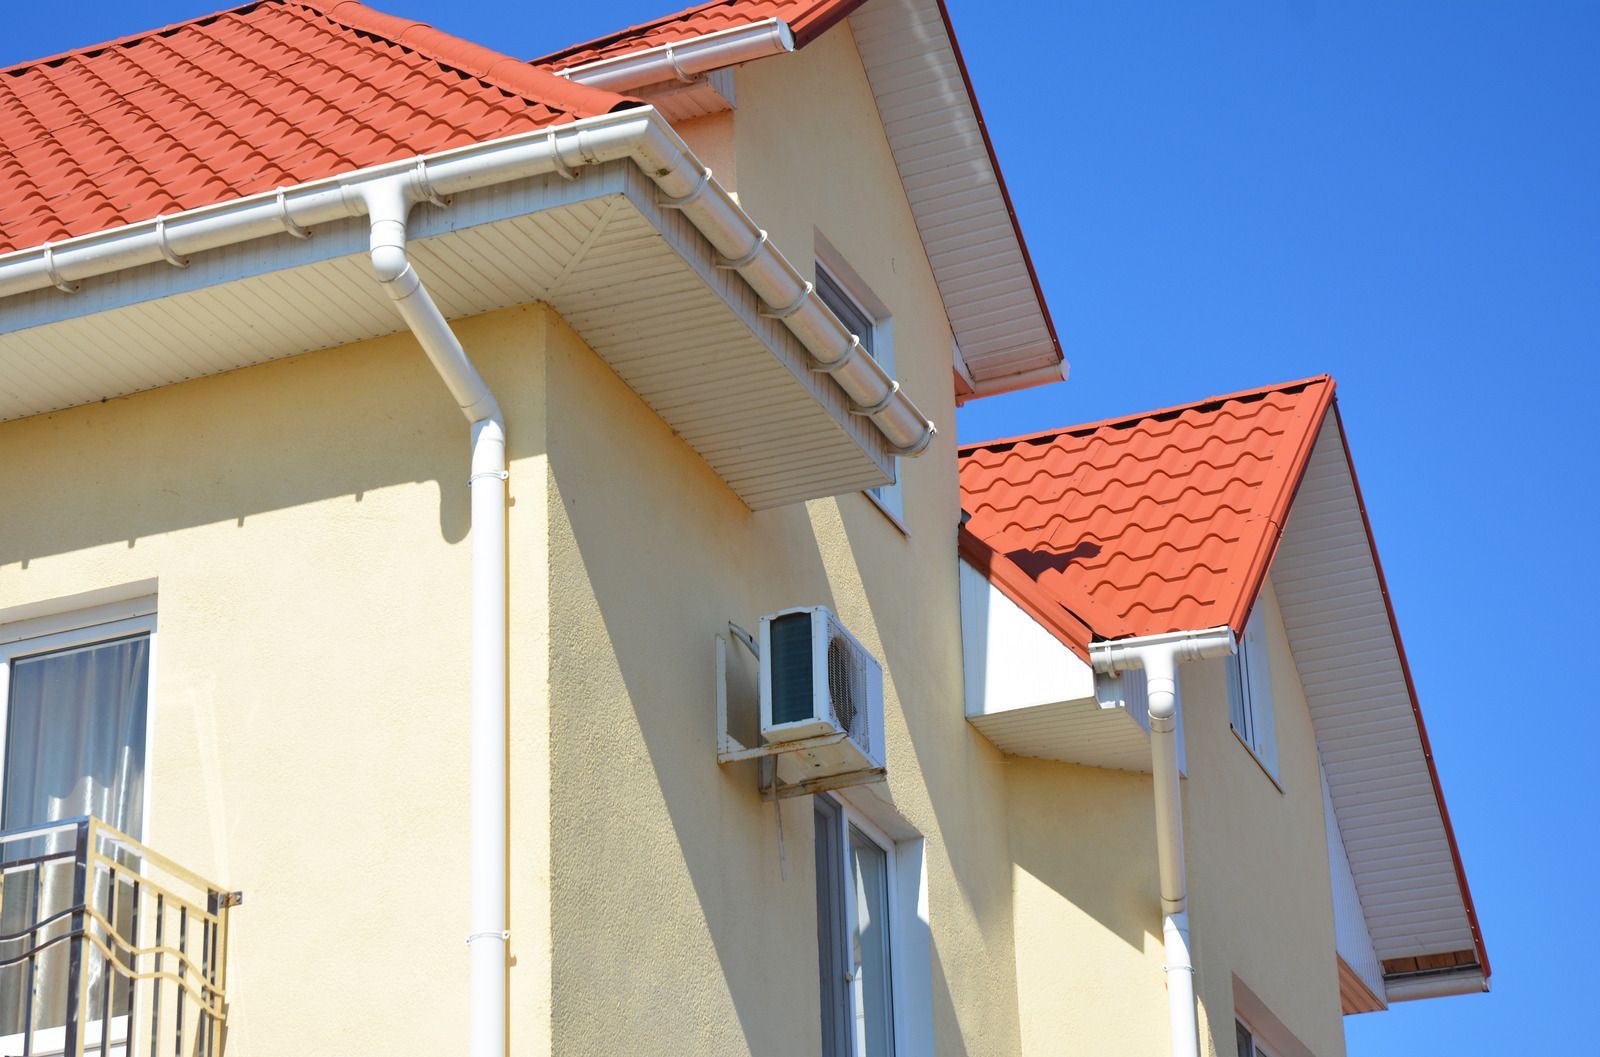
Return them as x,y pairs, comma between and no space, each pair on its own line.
674,931
1089,945
304,522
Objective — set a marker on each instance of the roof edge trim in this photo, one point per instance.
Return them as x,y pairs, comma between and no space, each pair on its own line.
1416,706
1278,516
1140,416
1016,585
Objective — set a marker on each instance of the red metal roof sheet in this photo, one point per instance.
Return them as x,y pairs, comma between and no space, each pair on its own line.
806,19
1158,522
261,96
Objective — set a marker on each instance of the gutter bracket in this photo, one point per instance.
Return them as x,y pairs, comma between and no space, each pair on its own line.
166,249
755,251
55,277
791,309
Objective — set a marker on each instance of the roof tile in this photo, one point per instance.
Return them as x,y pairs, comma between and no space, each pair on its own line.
1164,521
270,94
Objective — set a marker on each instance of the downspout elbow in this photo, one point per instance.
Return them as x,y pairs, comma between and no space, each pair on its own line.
388,204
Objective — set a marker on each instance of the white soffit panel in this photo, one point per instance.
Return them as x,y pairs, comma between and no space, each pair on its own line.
1351,938
956,199
1032,696
1378,778
636,282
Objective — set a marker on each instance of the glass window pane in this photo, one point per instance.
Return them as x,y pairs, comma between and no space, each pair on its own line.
75,739
1238,690
844,306
830,931
869,947
75,735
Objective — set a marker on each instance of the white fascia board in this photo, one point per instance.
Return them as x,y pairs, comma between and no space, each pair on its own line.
685,60
1009,659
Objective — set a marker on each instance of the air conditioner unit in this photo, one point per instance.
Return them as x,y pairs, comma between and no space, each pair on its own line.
818,681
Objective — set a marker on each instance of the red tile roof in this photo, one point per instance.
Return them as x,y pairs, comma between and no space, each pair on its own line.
807,19
1165,521
264,95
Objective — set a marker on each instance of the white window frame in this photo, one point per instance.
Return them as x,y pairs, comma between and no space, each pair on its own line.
20,639
1250,704
1256,1049
32,635
910,949
889,498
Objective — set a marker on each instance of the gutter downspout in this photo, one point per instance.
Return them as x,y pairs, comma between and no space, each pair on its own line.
387,203
1159,656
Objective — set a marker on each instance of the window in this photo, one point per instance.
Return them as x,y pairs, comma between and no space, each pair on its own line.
1250,694
855,908
1249,1045
864,317
74,704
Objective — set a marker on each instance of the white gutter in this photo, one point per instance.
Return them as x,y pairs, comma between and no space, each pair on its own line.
687,59
1442,984
640,135
1159,656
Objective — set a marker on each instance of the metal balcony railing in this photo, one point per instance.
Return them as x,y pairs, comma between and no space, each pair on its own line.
107,948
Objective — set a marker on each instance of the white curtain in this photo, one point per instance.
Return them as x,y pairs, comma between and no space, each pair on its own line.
75,738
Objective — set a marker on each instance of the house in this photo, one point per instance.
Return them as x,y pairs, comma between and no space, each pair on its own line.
417,463
1220,553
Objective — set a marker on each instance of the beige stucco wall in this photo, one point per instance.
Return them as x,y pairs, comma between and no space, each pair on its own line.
1088,910
674,931
305,523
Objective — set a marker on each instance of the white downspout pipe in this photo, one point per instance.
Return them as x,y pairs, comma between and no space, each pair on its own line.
387,203
1159,656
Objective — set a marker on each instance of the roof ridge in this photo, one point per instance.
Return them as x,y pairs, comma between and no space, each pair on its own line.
494,67
485,64
132,38
1139,416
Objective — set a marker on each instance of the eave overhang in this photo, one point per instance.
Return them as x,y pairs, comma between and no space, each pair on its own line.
644,288
1382,779
1006,339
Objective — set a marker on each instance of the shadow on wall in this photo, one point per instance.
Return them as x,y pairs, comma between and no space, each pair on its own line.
1088,835
673,927
319,426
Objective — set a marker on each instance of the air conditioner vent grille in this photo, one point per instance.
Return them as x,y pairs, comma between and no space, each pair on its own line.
846,684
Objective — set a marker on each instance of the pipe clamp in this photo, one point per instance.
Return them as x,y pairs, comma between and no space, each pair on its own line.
493,934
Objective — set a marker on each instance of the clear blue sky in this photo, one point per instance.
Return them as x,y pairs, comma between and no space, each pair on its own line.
1403,194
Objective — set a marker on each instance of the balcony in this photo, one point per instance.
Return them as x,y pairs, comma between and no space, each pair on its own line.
107,948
